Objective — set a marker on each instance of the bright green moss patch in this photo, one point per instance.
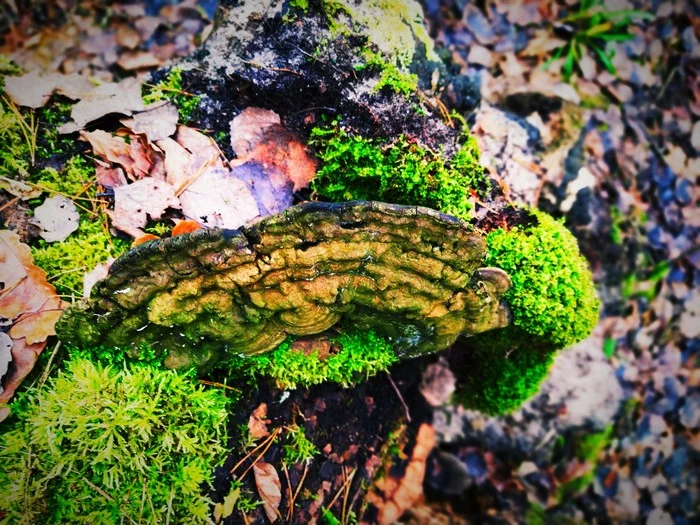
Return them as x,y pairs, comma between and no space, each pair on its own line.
552,299
105,445
66,262
401,172
499,382
391,76
170,88
297,447
362,355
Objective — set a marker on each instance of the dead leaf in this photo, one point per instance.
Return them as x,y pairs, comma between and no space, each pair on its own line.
157,121
225,509
257,135
187,156
257,422
128,37
138,60
32,90
134,203
392,496
132,156
144,239
98,273
30,305
19,189
268,482
185,226
109,177
270,198
123,97
57,217
5,354
36,327
217,199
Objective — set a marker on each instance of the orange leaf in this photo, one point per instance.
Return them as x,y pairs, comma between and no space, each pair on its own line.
185,226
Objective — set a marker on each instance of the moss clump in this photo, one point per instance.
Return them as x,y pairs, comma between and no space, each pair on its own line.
361,355
552,299
391,76
297,447
102,445
170,88
500,382
18,138
553,303
68,261
402,172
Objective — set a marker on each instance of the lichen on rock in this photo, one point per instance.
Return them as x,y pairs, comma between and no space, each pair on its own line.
412,274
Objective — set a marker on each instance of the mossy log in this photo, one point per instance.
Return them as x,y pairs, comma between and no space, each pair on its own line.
413,274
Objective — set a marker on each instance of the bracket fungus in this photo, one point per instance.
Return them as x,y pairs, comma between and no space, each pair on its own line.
412,274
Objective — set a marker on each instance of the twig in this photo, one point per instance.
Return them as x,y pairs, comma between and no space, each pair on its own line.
266,444
219,385
398,393
279,69
345,497
9,203
340,490
45,373
107,497
170,504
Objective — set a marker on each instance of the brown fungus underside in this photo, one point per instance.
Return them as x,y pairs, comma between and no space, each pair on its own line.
410,273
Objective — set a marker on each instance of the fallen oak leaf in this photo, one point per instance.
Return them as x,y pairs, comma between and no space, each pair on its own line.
108,176
268,483
134,203
24,358
32,90
57,217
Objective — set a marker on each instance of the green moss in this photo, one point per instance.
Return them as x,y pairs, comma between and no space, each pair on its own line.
391,76
170,88
362,355
402,172
18,139
553,303
66,262
298,448
102,445
553,298
499,382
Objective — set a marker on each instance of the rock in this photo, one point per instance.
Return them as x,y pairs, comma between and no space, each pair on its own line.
404,270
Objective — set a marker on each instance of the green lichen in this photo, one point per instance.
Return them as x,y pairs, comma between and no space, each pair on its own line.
66,262
170,88
404,172
361,355
105,445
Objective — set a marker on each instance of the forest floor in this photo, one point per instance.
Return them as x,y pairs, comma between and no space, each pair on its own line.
615,153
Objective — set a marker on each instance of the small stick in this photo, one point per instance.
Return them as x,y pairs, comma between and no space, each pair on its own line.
398,393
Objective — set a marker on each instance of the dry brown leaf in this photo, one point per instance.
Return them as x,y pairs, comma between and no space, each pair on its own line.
123,97
33,89
36,327
257,422
268,482
29,304
177,162
216,199
109,177
256,135
157,121
57,217
134,203
393,496
138,60
19,189
133,157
